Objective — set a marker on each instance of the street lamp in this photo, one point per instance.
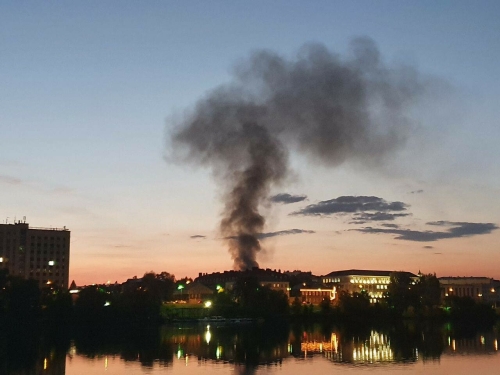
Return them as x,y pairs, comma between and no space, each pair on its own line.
180,287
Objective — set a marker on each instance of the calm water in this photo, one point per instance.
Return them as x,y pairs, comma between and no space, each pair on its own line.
252,349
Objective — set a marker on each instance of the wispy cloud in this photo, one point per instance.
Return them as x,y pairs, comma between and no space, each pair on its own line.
284,233
419,191
456,230
286,198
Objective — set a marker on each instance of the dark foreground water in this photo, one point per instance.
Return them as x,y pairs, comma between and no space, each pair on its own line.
256,349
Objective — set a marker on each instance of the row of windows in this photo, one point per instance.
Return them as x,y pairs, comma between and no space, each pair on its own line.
316,293
43,274
39,238
333,280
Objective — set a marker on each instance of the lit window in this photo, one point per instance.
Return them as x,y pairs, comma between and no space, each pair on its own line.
51,262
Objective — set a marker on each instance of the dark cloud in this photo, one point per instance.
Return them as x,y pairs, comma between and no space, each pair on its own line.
286,198
198,236
390,225
366,208
419,191
284,233
456,230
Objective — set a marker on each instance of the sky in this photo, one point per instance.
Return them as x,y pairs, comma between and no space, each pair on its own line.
91,92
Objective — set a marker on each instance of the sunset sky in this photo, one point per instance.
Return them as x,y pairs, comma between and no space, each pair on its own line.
92,90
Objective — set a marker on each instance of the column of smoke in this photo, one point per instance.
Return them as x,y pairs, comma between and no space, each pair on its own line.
331,108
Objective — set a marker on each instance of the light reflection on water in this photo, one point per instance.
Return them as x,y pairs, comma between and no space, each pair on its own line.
257,350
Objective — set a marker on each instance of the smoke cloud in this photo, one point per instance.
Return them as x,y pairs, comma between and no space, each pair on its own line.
329,107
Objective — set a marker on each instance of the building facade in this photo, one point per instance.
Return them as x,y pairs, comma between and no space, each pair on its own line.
375,283
41,254
480,289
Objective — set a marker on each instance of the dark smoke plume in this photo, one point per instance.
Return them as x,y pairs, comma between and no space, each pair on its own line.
331,108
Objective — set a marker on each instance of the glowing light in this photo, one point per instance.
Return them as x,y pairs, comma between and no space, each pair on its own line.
45,363
208,336
180,287
179,354
482,340
495,344
106,362
218,352
208,303
453,345
51,262
1,259
49,282
218,287
107,303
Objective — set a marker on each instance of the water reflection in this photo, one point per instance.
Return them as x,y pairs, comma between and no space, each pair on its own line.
243,348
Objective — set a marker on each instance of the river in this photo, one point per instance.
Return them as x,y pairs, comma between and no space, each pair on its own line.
256,349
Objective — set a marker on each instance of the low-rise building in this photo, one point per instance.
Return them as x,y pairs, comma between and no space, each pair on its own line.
480,289
274,280
315,293
373,282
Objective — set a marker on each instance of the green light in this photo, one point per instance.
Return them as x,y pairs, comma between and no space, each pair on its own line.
180,287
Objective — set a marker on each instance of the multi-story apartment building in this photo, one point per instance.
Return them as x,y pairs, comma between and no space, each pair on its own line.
41,254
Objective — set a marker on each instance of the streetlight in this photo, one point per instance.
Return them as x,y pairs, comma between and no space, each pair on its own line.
180,287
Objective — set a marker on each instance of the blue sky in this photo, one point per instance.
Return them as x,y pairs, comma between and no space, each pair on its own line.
88,89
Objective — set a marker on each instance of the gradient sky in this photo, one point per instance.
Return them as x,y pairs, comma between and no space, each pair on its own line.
89,89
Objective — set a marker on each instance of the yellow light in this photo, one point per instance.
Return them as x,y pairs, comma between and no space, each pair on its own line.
45,363
49,282
208,336
1,259
451,289
208,303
